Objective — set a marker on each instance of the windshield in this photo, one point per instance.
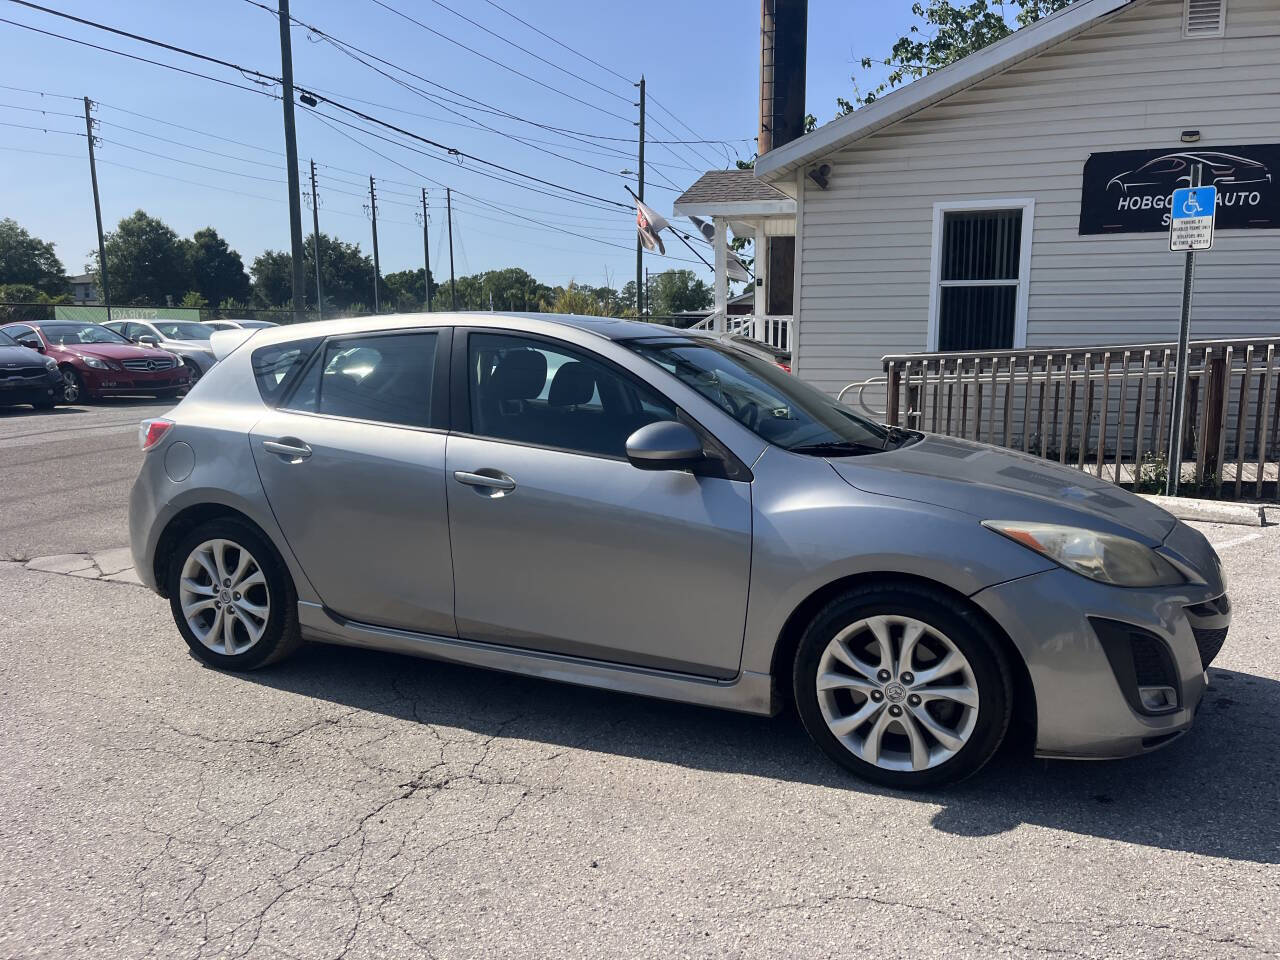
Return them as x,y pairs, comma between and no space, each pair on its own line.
8,341
181,329
70,333
773,404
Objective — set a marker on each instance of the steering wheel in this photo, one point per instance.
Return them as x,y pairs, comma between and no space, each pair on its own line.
749,414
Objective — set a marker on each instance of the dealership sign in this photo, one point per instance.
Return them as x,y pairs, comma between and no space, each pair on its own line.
1130,191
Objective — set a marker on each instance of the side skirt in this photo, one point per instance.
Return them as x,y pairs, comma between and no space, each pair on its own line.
747,693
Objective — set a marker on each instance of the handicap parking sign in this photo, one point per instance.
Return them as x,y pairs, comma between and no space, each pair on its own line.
1191,222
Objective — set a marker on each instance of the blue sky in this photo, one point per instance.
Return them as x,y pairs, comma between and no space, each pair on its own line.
700,59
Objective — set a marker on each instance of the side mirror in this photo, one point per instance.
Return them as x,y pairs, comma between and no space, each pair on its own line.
665,445
147,340
38,347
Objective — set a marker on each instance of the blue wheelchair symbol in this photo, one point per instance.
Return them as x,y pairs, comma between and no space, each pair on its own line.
1191,207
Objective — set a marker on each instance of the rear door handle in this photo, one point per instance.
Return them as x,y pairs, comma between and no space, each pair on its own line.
493,480
289,447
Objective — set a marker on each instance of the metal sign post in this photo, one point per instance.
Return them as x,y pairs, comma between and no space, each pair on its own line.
1192,211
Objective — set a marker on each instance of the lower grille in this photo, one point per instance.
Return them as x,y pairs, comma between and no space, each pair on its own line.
1209,643
156,363
1151,665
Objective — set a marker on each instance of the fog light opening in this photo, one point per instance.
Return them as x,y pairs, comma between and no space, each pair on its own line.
1158,698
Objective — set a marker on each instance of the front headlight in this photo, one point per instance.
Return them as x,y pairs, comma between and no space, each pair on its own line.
1099,556
94,362
50,364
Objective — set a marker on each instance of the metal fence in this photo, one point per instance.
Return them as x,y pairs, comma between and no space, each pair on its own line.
1108,409
31,312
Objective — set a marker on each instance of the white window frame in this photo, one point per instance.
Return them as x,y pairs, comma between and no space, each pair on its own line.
1028,207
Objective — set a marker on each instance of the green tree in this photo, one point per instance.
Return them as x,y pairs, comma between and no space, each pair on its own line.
29,260
946,32
146,261
216,271
194,298
579,300
346,275
406,293
675,291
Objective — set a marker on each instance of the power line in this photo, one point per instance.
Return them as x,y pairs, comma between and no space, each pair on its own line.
451,151
536,56
133,56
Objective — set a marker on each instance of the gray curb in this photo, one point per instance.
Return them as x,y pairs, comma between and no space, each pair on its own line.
1213,511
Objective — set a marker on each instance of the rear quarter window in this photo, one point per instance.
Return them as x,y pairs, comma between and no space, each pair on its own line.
275,368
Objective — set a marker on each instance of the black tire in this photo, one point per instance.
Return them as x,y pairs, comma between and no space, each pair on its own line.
73,390
281,636
970,635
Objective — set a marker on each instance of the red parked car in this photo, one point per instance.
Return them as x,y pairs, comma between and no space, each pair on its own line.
97,362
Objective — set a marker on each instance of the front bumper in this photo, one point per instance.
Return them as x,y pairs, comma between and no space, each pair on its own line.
42,389
1084,706
110,383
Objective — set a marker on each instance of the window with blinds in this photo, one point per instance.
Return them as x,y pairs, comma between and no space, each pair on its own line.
978,279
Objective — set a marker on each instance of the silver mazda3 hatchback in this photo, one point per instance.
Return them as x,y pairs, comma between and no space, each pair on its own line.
622,505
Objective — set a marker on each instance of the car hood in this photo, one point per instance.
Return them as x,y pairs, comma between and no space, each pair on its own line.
114,351
187,346
24,356
996,484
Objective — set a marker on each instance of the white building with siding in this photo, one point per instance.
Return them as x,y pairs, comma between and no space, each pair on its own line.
958,210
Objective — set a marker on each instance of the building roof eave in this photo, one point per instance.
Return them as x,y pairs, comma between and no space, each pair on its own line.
783,161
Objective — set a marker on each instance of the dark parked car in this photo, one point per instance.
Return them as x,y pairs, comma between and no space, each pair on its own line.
97,362
25,378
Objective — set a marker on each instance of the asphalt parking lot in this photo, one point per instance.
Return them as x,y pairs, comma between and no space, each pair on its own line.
357,804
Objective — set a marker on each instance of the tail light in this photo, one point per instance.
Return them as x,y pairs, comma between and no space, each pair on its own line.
784,366
151,432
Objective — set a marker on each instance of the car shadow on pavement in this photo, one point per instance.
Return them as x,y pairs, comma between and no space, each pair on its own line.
1212,792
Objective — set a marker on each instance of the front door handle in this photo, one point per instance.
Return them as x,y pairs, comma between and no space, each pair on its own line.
492,480
290,447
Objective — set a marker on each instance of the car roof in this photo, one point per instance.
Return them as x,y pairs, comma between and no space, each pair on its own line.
608,328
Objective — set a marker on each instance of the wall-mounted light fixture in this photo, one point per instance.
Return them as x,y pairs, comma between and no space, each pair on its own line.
1190,136
820,174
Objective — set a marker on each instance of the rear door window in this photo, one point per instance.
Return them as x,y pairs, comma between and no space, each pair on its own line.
385,378
276,368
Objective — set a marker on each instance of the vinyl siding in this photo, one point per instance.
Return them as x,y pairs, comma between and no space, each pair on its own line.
1129,82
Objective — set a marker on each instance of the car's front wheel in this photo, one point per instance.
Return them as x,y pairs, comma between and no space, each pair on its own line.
72,386
232,597
902,687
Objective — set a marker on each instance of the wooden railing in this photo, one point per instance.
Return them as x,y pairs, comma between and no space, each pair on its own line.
1107,409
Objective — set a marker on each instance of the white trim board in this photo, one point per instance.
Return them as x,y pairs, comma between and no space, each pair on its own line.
1028,207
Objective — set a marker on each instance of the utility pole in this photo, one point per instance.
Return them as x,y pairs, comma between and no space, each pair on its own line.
97,208
426,252
377,268
291,161
315,239
453,286
640,196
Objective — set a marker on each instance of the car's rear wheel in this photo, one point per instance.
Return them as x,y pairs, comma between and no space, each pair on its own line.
902,687
72,386
232,597
194,371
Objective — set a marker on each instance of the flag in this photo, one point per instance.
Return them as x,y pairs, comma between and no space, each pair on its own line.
650,223
735,269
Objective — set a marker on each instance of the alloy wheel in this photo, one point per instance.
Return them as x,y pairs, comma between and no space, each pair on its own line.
224,597
195,374
897,693
70,387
